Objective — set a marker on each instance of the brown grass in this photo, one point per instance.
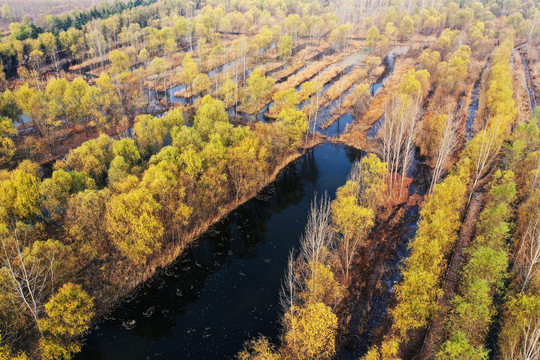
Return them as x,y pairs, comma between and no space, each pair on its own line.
272,66
287,71
322,78
292,82
378,104
343,84
311,51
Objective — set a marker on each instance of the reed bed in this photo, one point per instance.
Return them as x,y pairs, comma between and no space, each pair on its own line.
343,84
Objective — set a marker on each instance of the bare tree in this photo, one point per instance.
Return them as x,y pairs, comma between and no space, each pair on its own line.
447,145
348,249
318,233
397,136
490,144
528,255
97,43
530,348
290,289
31,276
523,344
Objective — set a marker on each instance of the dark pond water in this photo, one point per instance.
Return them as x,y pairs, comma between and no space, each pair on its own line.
339,126
528,82
223,290
471,113
473,107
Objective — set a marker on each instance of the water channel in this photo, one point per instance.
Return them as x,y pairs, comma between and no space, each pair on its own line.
223,290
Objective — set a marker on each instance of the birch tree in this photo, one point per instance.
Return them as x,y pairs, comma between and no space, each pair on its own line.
31,273
397,137
446,145
318,232
520,337
528,255
485,150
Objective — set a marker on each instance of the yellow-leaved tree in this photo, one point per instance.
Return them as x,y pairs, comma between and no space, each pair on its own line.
352,222
258,349
69,313
295,125
19,191
133,224
311,332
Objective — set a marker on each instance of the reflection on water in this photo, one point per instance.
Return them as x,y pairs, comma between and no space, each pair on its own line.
339,126
223,290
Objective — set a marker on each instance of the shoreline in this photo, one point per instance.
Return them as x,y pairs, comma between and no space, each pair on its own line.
173,250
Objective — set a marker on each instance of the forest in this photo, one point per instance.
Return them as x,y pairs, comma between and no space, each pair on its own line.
263,180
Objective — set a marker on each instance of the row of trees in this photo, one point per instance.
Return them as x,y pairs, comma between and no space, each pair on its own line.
483,273
158,26
440,218
520,332
316,281
490,261
64,104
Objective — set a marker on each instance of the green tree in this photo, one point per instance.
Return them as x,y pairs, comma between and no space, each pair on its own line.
190,69
406,28
391,31
258,85
168,184
156,68
48,42
119,61
82,209
430,60
19,191
284,99
143,56
92,157
247,166
521,329
458,347
57,189
150,133
210,112
352,221
228,92
371,176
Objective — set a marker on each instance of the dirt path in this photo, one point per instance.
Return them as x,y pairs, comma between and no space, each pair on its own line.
369,270
435,334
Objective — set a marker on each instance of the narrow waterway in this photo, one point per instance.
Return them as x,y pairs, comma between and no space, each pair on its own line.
528,82
223,290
